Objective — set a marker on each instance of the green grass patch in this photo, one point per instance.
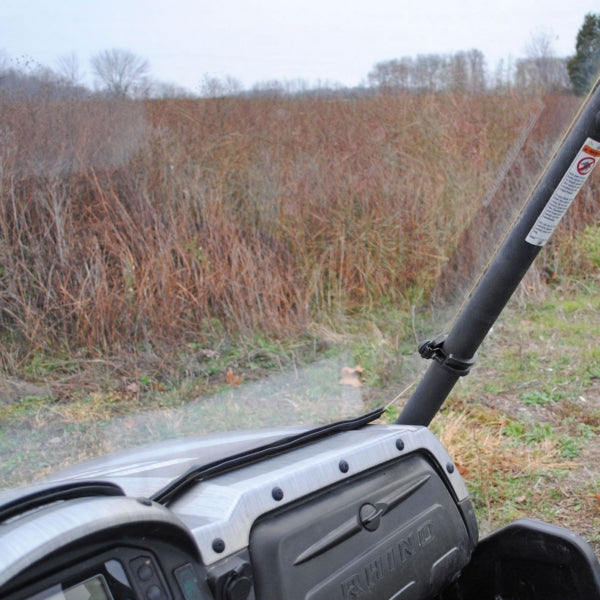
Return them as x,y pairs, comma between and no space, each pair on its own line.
537,398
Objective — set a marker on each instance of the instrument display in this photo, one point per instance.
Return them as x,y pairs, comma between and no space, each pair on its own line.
94,588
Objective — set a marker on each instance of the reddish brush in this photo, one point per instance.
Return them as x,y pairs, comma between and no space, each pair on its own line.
127,222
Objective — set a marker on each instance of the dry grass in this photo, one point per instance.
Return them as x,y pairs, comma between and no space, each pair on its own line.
152,223
523,427
506,472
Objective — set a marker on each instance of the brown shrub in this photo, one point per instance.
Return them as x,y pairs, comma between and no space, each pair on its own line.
127,222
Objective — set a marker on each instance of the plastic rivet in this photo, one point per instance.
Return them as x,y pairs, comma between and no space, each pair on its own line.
218,545
277,493
344,466
400,444
450,468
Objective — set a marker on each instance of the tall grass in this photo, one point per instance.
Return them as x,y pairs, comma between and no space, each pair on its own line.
125,223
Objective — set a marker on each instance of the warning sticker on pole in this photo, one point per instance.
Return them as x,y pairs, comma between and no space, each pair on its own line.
565,193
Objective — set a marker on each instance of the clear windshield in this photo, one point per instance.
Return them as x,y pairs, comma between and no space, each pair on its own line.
183,252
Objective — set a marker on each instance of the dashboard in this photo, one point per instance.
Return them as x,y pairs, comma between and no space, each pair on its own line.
364,512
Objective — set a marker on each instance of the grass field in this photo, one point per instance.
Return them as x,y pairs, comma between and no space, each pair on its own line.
137,224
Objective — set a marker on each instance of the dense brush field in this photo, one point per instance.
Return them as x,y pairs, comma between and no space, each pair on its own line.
135,222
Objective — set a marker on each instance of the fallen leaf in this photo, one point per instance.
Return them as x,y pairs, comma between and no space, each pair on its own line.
231,378
350,376
133,388
462,470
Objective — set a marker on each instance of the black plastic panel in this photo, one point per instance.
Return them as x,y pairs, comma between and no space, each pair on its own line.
530,560
393,532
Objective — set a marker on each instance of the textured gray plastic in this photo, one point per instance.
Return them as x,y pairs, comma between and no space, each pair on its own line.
395,531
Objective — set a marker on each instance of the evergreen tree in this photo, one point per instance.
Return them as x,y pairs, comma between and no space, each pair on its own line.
584,66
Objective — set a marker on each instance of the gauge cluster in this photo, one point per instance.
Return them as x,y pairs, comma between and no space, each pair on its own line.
125,573
100,548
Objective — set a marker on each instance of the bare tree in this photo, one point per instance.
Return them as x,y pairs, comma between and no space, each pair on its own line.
541,70
392,74
459,72
163,89
428,73
121,73
69,68
3,60
215,87
477,71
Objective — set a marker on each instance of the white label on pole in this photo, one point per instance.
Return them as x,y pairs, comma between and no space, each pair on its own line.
565,193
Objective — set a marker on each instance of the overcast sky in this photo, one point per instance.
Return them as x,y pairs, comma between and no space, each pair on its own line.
260,40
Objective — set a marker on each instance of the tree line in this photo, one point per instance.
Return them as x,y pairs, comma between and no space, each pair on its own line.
462,71
115,72
121,73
